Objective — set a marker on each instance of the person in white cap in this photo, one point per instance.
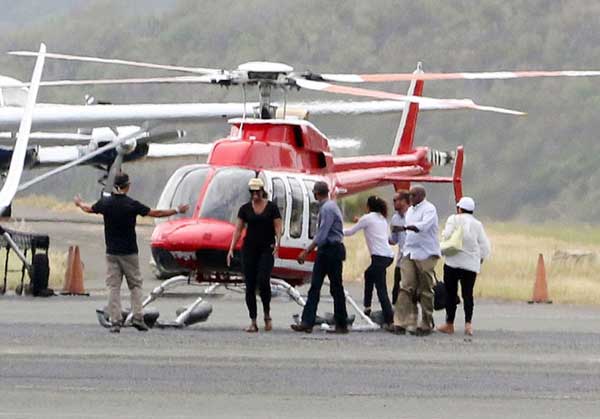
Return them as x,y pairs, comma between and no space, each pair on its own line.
464,264
262,220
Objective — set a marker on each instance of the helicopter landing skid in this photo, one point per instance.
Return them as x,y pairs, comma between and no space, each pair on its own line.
196,312
325,322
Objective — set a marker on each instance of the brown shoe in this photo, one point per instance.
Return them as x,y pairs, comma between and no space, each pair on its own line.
447,328
468,329
301,328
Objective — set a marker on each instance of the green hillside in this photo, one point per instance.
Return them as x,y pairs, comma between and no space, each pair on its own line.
542,167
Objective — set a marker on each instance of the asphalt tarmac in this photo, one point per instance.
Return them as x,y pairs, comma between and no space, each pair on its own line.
525,361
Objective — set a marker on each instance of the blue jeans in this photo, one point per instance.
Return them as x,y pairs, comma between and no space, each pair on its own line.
329,261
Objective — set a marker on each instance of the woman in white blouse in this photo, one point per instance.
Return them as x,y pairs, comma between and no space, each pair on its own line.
376,229
465,264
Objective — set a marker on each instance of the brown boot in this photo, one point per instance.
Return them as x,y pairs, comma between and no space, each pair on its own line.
468,329
447,328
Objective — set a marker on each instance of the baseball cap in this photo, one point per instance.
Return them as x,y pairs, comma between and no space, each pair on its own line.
121,180
256,184
466,203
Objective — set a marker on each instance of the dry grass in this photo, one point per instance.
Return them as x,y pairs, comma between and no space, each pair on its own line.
51,203
46,202
58,266
510,272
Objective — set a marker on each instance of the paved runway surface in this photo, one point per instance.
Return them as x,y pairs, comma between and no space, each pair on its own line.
56,361
525,361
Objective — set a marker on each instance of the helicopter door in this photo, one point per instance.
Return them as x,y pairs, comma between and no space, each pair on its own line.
279,198
313,208
291,197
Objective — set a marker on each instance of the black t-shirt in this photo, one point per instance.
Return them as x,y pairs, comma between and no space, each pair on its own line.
120,212
260,232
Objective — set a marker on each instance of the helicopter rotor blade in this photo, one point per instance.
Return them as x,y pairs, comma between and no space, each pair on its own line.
148,80
84,158
484,75
354,91
68,57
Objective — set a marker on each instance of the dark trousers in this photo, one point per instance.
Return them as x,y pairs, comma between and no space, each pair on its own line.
329,261
467,282
257,266
375,277
396,289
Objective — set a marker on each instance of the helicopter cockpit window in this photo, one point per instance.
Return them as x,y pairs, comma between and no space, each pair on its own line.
313,209
183,188
227,192
297,208
279,197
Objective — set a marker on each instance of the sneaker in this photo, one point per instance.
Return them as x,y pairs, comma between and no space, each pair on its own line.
115,328
139,325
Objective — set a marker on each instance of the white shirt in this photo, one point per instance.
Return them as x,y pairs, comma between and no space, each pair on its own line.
376,233
423,244
398,237
475,245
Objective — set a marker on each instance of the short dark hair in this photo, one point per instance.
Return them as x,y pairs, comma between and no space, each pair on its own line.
402,195
376,204
321,188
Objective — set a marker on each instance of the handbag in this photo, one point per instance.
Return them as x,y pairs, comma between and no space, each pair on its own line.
453,244
440,296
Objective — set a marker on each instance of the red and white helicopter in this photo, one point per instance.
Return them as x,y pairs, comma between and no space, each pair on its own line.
290,154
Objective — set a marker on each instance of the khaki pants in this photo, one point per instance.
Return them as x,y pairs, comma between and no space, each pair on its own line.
416,286
116,267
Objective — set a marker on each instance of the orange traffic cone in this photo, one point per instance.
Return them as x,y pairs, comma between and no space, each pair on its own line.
540,288
74,274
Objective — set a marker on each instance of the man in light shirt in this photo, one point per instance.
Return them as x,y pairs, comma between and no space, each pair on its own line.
420,255
401,204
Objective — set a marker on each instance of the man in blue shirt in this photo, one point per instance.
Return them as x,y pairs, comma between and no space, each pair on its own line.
331,254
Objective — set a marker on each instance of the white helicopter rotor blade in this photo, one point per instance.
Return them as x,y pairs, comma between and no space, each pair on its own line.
483,75
9,189
68,57
150,80
355,91
83,159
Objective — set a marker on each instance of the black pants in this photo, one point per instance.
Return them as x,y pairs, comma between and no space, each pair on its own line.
396,289
329,261
467,282
375,277
257,266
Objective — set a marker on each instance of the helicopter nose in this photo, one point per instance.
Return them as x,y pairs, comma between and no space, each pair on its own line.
191,244
193,234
